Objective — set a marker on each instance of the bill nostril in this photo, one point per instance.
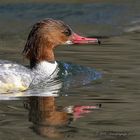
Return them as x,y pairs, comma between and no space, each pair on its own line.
83,38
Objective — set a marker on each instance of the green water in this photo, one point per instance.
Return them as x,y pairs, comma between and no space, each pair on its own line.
118,25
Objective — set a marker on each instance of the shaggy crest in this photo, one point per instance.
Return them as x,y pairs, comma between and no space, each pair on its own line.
44,36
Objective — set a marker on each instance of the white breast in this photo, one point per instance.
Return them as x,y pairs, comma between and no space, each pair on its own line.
46,68
44,71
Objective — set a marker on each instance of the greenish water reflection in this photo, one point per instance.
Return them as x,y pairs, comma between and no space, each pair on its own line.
117,58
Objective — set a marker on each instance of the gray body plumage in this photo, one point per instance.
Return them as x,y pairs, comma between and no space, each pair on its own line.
15,77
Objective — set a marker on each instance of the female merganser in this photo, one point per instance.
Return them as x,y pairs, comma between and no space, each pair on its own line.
43,38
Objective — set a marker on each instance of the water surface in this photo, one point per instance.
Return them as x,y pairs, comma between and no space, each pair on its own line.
117,59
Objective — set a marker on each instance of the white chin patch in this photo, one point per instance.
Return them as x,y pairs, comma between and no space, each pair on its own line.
68,42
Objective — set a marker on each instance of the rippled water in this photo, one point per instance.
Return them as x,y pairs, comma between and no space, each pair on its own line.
106,107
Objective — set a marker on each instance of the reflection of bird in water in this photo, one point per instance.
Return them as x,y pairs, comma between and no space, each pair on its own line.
46,117
52,121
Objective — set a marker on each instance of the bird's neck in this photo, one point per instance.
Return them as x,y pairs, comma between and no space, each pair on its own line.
46,56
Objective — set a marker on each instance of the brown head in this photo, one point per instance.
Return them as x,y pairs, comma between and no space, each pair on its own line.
46,35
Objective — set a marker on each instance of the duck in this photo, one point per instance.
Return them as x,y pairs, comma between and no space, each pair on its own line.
43,38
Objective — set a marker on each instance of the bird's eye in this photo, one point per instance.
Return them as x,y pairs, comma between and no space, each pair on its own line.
67,32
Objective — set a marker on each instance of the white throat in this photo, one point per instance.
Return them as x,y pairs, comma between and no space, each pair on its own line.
46,68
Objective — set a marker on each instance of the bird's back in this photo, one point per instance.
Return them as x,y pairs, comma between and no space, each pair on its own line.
14,77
